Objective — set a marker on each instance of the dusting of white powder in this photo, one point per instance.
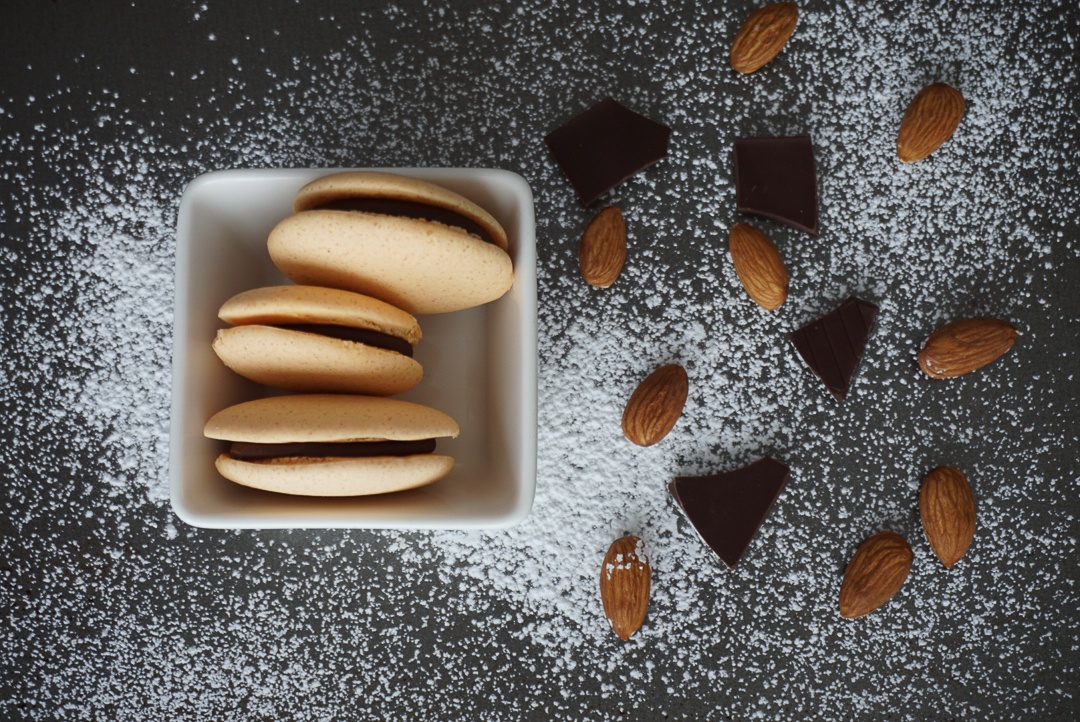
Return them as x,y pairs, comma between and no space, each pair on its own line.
117,608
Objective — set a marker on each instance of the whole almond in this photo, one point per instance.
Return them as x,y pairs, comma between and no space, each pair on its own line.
948,513
962,346
603,248
876,572
656,405
763,35
625,579
929,121
759,266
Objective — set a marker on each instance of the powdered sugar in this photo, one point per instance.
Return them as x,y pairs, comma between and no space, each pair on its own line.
116,608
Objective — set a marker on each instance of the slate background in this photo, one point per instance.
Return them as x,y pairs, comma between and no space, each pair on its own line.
96,45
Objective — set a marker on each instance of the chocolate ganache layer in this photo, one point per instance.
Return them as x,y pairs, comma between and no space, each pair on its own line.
359,335
250,451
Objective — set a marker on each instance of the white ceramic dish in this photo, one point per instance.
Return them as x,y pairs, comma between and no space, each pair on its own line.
479,365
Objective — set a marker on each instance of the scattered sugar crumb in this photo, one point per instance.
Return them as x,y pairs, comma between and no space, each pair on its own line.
114,608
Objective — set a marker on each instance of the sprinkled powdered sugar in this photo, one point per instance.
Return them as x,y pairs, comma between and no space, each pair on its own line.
112,605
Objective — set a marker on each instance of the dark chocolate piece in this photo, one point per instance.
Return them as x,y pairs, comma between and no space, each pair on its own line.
409,209
727,509
251,451
348,333
604,146
775,178
833,345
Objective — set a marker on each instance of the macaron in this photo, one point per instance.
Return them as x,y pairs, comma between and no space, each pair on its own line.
332,444
411,243
313,339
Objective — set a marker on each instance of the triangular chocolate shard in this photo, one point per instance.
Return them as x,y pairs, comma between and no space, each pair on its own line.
605,145
727,509
776,178
833,345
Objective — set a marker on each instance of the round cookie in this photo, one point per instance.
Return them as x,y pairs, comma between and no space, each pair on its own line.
338,477
391,186
313,339
411,243
321,444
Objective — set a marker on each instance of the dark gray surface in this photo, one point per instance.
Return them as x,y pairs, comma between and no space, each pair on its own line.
112,608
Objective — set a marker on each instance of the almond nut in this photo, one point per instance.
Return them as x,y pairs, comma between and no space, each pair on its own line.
759,266
962,346
948,513
763,36
876,572
929,121
624,585
655,405
603,248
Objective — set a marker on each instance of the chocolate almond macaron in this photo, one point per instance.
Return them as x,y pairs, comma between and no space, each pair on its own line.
312,339
332,444
406,241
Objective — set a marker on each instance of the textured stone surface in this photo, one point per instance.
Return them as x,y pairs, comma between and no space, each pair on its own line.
110,607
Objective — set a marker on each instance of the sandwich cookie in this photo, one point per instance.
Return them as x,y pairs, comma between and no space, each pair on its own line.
411,243
331,444
306,338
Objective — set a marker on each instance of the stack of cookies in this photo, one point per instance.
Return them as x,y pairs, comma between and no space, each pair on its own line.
367,250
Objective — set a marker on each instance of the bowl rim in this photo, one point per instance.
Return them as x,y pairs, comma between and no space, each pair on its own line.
523,250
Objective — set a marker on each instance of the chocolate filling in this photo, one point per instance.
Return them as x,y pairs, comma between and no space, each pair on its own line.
250,451
360,335
409,209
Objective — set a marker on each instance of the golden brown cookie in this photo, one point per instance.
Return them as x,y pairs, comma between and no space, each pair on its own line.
411,243
312,339
332,444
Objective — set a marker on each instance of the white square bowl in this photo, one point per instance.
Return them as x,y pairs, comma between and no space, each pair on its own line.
479,364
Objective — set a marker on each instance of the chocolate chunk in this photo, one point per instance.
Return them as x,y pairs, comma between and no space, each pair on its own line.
833,345
252,451
775,178
604,146
727,509
359,335
409,209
